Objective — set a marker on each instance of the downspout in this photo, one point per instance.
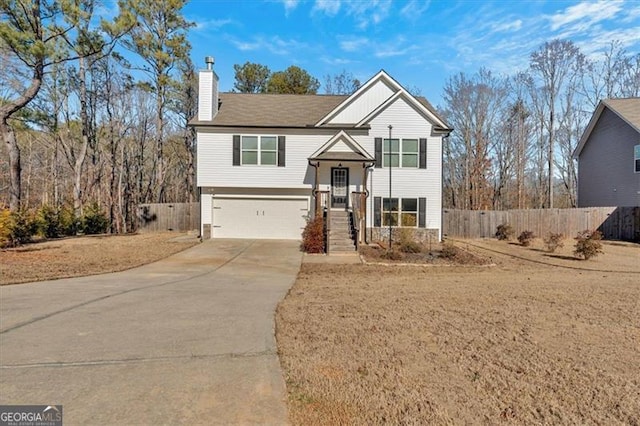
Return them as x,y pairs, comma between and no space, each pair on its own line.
440,233
200,209
367,168
316,166
371,206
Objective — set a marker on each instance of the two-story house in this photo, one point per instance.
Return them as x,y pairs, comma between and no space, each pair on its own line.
268,162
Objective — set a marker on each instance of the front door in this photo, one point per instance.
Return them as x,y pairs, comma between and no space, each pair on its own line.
339,187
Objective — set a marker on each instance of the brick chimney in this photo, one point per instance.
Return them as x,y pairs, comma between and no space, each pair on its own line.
207,92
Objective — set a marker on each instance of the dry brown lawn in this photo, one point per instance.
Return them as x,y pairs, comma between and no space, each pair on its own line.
79,256
519,343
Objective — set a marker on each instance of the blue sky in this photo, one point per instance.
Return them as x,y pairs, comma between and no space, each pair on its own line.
420,43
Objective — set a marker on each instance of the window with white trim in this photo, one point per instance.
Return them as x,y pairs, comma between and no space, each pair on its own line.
400,212
404,153
259,150
636,158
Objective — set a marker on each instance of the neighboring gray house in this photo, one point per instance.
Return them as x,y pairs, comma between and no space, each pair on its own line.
609,156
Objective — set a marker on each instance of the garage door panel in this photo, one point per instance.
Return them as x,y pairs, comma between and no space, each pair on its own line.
260,218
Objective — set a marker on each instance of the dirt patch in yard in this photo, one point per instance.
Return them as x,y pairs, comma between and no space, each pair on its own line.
80,256
522,342
432,254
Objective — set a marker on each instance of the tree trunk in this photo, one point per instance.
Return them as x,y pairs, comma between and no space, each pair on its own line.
9,137
159,145
551,136
82,155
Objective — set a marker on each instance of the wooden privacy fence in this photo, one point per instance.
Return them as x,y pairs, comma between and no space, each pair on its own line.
168,217
615,223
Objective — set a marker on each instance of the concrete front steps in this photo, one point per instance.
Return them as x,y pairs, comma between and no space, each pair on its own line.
340,237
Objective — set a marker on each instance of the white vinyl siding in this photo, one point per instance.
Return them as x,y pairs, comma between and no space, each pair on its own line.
408,182
205,103
362,106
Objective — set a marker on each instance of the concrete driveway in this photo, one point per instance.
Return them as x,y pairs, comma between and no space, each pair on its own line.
187,340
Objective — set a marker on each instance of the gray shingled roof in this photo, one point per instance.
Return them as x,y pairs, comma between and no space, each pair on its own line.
273,110
276,110
627,109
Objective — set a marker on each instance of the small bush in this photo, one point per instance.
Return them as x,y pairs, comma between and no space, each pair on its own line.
95,220
553,241
22,226
526,238
504,232
49,222
449,251
588,244
392,254
69,223
5,226
407,244
313,236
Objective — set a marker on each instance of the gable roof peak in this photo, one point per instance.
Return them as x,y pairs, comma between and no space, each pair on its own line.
628,109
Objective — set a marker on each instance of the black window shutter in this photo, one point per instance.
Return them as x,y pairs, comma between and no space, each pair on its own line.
423,153
236,150
378,152
281,151
422,212
377,211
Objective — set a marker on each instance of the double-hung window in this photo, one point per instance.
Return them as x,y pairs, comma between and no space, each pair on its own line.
636,157
400,212
390,209
409,152
260,150
409,212
400,153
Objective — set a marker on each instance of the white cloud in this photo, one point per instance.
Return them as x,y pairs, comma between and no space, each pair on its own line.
397,47
329,7
507,26
414,9
289,5
274,44
600,40
244,45
353,44
367,12
211,24
587,12
336,61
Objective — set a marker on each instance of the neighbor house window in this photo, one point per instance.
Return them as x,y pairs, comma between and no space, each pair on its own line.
404,152
636,157
260,150
400,212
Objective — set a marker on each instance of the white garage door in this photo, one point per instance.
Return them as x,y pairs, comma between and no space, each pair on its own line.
261,218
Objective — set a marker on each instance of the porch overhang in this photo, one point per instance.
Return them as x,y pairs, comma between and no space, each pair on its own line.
348,157
342,147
